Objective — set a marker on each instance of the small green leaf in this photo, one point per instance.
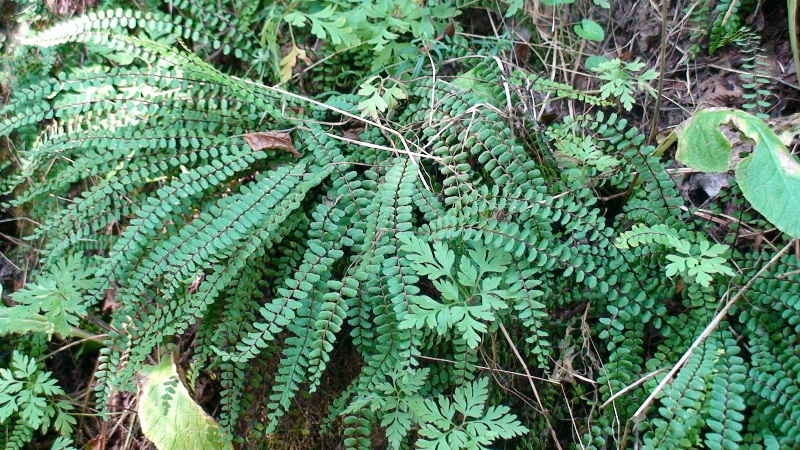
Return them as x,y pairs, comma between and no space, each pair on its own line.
593,62
295,18
590,30
471,81
514,6
168,415
378,97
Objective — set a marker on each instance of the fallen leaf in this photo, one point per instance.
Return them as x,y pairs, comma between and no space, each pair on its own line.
769,176
169,417
260,140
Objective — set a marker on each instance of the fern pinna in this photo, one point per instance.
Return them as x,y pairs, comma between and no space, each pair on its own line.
437,233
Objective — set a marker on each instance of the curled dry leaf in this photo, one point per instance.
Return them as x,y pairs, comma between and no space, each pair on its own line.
260,140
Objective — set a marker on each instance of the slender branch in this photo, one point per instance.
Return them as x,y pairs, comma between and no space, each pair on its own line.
533,386
87,337
389,130
662,67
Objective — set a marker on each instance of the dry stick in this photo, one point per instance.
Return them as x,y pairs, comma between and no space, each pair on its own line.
630,387
388,149
494,369
535,14
572,417
661,68
533,386
502,68
96,338
344,113
706,332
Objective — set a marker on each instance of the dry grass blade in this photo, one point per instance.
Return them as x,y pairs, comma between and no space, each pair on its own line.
533,386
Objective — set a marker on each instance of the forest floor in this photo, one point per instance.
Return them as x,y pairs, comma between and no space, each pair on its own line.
633,32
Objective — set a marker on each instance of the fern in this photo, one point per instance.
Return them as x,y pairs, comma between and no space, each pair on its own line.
473,297
416,238
727,22
479,426
621,83
699,15
463,422
756,76
727,404
728,28
679,423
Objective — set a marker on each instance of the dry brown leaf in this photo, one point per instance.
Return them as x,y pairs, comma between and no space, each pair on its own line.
94,444
260,140
289,62
67,8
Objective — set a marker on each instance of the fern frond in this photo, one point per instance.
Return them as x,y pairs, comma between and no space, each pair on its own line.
727,404
729,16
307,351
678,424
103,27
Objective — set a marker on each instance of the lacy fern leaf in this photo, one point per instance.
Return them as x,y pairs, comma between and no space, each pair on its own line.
696,261
465,421
54,304
29,397
471,297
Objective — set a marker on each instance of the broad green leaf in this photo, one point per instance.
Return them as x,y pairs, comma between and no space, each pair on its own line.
590,30
770,181
769,177
701,144
168,415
